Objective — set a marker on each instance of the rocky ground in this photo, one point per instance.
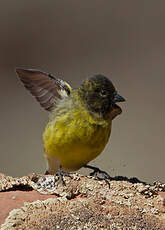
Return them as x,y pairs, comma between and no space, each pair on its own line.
39,202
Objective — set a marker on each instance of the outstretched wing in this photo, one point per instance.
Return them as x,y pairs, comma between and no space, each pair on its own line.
43,86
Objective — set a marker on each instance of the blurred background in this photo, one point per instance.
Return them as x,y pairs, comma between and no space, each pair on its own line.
125,40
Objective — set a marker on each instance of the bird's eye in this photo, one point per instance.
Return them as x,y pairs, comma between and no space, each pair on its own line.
103,93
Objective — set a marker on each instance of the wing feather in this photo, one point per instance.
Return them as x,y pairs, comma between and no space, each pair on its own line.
43,86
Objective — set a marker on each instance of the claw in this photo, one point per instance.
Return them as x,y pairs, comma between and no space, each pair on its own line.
96,171
60,173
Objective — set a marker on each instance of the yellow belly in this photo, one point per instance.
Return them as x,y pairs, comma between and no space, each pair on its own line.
75,142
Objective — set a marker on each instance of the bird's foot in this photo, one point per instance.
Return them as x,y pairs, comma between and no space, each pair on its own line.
60,173
58,176
99,174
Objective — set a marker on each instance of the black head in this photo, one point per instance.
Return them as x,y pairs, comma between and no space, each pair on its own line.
101,96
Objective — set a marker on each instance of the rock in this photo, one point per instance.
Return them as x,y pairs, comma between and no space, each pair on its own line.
40,202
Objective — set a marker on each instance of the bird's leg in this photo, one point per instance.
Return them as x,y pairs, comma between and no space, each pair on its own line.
96,171
60,173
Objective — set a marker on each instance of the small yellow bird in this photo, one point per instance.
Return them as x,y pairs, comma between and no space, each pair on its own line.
80,119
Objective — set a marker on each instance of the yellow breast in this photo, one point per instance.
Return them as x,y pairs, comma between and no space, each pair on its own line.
75,138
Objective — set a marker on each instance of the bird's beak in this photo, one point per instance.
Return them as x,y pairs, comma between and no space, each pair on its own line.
118,98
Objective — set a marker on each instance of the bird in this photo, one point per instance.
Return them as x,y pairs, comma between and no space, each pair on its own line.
80,119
